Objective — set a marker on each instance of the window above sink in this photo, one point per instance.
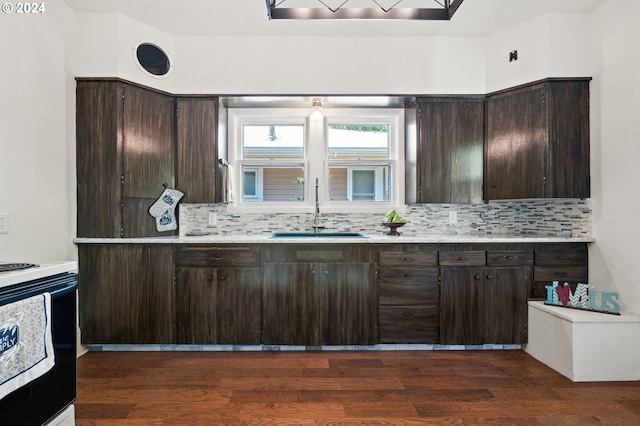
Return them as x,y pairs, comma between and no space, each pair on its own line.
356,154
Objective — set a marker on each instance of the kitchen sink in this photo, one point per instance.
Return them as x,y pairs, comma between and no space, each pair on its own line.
320,235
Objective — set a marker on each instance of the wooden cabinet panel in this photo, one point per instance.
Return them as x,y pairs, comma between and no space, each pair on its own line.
537,141
126,293
568,264
408,286
218,256
148,143
218,306
125,153
196,139
516,123
409,324
450,150
484,305
509,258
318,303
99,158
459,306
463,258
407,259
503,305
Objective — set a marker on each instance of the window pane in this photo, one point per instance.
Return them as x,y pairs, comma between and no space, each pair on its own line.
359,183
272,141
358,141
249,183
363,185
273,183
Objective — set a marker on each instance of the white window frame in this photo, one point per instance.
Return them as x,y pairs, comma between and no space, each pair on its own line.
316,162
377,176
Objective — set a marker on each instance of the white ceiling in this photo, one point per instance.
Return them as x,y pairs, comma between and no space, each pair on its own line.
249,18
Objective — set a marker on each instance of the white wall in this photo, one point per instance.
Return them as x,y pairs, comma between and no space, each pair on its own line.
549,46
37,134
615,150
329,65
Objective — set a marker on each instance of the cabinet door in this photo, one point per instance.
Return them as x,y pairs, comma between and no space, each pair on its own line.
286,290
99,158
503,305
450,150
218,306
126,293
318,304
148,126
459,306
516,144
350,316
197,163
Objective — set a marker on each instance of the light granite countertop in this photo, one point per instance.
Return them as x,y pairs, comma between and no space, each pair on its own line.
368,239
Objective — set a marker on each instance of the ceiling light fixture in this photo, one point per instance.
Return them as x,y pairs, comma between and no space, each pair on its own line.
375,9
316,109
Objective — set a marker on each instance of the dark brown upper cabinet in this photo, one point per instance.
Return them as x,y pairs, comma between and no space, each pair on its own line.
537,141
449,150
196,142
124,157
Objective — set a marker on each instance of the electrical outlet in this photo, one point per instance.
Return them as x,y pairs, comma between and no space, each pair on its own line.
453,217
4,223
213,219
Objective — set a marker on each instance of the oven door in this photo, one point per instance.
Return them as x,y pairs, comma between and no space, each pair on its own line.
42,399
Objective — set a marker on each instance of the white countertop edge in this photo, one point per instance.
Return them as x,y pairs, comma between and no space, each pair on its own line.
377,239
44,269
582,316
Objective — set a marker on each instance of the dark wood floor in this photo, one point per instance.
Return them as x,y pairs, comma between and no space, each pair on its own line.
341,388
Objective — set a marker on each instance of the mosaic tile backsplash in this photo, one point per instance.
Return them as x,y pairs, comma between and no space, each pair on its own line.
566,218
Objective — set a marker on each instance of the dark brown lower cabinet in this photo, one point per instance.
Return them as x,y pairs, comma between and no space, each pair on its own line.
126,293
318,303
409,297
484,305
218,306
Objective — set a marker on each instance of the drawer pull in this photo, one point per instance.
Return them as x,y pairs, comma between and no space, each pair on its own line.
561,274
511,257
210,277
462,258
489,276
476,277
408,275
216,258
407,314
409,259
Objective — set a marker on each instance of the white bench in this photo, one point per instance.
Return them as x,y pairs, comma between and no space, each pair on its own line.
584,346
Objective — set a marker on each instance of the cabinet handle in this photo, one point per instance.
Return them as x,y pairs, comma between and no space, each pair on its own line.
489,277
476,277
561,274
406,314
462,258
511,257
223,277
210,277
493,185
313,272
409,259
216,258
408,275
326,272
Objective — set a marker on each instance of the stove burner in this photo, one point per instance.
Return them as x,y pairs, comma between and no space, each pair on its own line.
7,267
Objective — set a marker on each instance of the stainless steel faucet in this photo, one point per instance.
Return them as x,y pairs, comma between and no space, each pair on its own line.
317,226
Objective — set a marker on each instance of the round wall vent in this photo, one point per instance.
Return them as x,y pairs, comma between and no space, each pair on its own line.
152,59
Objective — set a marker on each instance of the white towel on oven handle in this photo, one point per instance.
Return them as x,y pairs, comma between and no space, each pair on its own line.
26,344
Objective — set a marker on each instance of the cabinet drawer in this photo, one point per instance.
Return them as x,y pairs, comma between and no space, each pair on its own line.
409,286
409,324
408,259
463,258
564,273
509,258
560,257
228,256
